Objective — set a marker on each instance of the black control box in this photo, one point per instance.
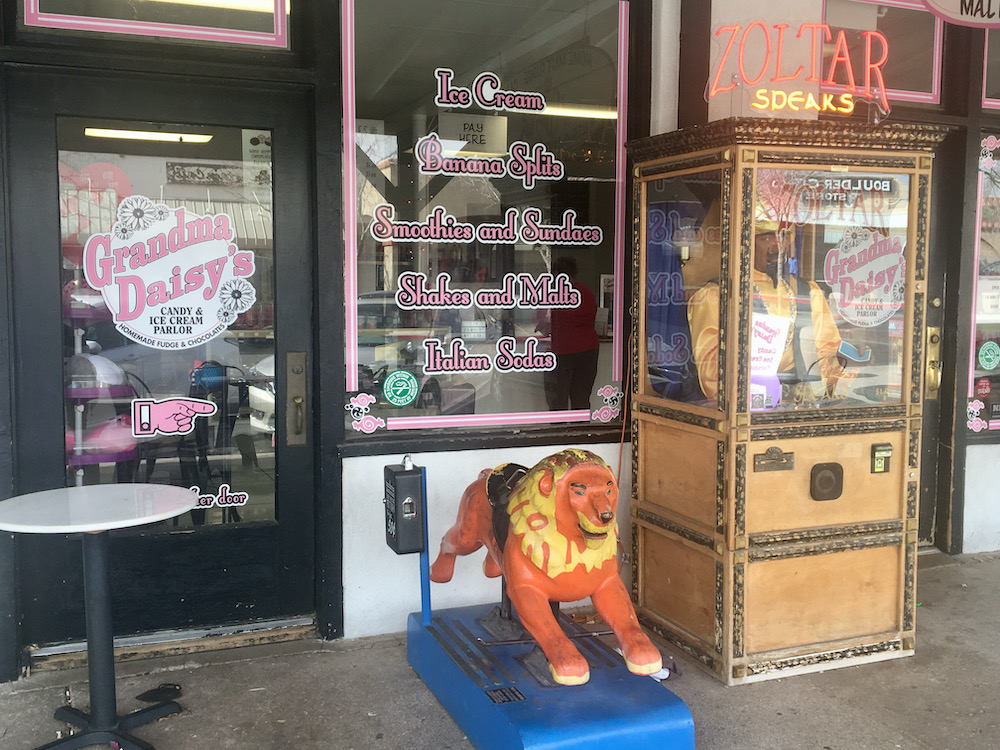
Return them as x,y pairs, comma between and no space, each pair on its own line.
404,508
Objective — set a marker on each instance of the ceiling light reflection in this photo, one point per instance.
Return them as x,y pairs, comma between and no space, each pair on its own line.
147,135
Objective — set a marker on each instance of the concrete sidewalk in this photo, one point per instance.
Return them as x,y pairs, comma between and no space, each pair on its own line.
362,694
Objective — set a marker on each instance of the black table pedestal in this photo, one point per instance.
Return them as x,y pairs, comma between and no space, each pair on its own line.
103,725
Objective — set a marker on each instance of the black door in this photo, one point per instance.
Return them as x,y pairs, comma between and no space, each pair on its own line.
939,390
161,259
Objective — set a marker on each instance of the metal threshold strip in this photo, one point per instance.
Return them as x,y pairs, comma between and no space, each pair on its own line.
163,642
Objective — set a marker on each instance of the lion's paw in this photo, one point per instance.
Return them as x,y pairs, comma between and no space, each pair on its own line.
443,568
645,669
643,659
569,675
491,569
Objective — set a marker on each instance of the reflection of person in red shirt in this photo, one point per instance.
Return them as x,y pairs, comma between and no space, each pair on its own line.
575,344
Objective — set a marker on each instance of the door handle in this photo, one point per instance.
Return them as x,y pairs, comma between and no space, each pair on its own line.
933,379
296,399
933,369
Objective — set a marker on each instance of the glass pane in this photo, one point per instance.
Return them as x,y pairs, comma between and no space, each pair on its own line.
910,73
984,392
253,22
991,88
829,289
485,222
682,262
168,310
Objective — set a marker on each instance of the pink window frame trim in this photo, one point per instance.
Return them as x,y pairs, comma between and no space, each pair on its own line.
34,17
976,246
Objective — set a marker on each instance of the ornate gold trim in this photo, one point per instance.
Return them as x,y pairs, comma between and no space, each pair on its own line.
743,335
635,563
738,594
826,657
636,265
720,606
677,415
923,206
634,440
826,533
837,428
826,547
785,132
727,192
853,414
917,356
720,486
909,587
740,501
813,158
708,160
647,516
914,453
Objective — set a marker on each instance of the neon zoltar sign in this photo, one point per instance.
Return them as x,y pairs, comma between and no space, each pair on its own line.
754,55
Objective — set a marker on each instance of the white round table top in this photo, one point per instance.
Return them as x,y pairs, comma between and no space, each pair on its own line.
94,507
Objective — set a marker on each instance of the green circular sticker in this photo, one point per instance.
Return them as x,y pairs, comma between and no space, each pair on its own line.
989,355
400,388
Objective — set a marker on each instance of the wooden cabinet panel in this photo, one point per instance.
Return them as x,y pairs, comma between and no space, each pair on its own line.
679,582
681,471
781,500
821,598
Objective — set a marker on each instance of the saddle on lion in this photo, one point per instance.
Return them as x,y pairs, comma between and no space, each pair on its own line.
551,532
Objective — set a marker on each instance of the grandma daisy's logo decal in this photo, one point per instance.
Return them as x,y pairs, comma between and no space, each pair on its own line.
866,271
171,278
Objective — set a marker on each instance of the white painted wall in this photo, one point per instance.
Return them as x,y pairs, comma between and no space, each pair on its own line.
382,588
981,523
666,50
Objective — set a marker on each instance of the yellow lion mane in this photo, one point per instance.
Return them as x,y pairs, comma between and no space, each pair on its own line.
533,518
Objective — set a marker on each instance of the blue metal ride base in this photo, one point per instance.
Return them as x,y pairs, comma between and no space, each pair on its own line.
500,706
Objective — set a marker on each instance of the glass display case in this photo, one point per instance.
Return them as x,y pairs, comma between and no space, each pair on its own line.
780,280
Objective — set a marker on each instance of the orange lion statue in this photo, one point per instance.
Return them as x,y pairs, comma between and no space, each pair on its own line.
551,531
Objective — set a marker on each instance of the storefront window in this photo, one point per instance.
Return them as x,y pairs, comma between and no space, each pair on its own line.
251,22
984,378
168,310
485,235
911,74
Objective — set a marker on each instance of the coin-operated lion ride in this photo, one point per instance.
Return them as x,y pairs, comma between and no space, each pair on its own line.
520,674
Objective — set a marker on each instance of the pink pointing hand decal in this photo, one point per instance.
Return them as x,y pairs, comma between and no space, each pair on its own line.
171,416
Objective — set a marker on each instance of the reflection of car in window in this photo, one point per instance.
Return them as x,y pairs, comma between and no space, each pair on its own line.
261,395
390,338
161,373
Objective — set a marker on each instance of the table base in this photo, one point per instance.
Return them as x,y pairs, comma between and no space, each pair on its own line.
117,733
